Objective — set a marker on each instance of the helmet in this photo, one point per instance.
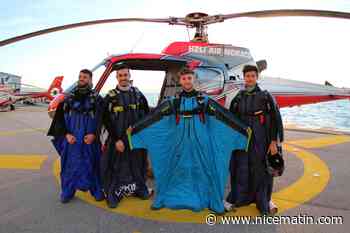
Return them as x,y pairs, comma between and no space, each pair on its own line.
275,164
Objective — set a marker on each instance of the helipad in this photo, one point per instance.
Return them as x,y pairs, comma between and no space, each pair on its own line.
315,183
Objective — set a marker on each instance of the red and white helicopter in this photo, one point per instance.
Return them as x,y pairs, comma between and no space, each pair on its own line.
218,66
10,94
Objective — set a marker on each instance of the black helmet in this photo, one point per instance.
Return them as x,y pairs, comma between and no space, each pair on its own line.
275,164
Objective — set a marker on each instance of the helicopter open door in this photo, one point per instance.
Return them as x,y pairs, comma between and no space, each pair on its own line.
149,62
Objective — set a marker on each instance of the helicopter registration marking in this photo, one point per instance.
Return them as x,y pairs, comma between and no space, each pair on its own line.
219,51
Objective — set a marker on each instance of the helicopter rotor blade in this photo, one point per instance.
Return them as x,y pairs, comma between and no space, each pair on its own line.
170,20
193,22
286,13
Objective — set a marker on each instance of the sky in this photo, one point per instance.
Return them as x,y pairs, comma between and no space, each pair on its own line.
308,49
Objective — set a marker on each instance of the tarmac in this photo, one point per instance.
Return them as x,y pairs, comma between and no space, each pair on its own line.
315,184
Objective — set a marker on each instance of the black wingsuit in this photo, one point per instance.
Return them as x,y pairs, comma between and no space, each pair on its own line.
123,174
250,181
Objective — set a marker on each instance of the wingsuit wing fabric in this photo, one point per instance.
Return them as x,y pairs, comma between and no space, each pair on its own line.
190,160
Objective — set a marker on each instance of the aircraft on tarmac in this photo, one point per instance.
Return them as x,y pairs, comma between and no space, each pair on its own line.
218,66
6,102
10,95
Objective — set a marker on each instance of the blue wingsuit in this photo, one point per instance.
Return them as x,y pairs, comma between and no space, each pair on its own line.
78,115
190,140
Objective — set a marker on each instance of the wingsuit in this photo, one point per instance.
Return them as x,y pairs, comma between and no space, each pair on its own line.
78,115
123,174
250,180
190,139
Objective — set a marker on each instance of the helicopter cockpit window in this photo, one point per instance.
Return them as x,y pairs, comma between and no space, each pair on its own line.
209,79
97,72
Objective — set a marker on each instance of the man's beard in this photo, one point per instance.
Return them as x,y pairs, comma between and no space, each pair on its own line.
125,87
124,83
82,89
82,85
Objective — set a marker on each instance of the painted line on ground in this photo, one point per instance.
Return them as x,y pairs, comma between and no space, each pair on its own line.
15,132
321,141
308,186
25,162
313,181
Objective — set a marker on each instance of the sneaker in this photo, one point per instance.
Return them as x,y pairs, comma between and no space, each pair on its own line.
143,194
273,208
156,207
99,198
65,200
112,201
228,206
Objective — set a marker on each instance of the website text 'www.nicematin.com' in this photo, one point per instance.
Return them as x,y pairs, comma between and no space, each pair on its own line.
212,219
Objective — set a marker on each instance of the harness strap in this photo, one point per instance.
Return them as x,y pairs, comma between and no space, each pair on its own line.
199,110
68,105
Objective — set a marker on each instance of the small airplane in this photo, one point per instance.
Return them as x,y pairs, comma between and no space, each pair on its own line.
218,66
9,96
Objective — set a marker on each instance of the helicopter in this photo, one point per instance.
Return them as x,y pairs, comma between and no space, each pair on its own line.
12,92
218,67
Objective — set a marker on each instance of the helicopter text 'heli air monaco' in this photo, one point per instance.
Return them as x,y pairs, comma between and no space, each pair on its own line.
218,66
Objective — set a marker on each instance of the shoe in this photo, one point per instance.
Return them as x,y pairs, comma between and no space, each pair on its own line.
112,201
65,200
229,207
156,207
143,194
273,208
99,198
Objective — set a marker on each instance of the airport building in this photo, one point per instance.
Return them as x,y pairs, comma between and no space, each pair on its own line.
10,81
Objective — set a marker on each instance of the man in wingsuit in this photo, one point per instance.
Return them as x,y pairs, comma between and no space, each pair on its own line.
123,170
190,139
75,133
250,180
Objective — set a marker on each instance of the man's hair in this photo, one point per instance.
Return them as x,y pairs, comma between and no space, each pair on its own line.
121,67
185,71
249,68
86,71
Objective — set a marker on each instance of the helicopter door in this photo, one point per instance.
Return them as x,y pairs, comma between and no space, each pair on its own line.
170,84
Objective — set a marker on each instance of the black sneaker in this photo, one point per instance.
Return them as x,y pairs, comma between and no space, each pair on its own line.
156,208
142,193
99,198
112,201
65,200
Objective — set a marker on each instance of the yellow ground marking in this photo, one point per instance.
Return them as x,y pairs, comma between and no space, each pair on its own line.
15,132
313,181
27,162
321,141
309,185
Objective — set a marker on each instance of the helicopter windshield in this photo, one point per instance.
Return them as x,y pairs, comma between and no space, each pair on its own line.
209,79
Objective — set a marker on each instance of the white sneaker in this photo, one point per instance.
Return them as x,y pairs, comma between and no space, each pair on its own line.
228,206
273,208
